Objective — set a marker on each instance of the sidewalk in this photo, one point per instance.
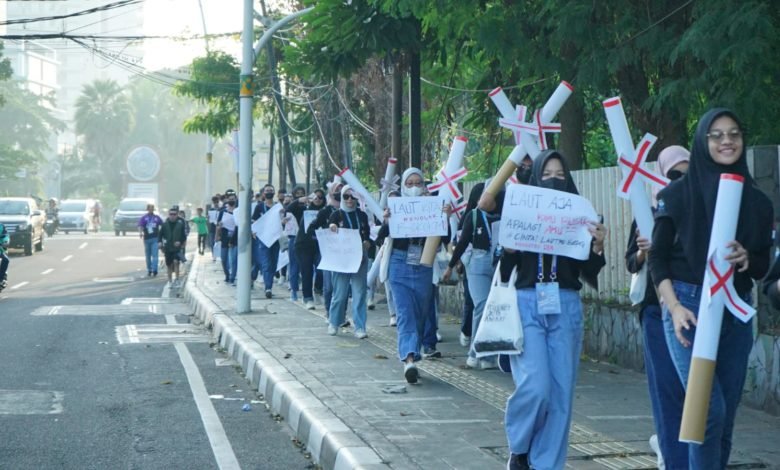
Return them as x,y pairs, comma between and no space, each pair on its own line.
332,392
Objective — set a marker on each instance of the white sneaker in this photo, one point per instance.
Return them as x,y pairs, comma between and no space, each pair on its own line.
361,334
472,362
332,330
654,445
464,340
487,365
393,321
310,305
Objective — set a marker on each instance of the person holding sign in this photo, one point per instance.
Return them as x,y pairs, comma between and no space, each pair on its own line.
323,216
665,388
305,247
538,413
265,257
678,261
350,217
410,281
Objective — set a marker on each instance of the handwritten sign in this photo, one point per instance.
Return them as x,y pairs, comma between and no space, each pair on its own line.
269,226
290,226
412,217
342,251
546,221
308,218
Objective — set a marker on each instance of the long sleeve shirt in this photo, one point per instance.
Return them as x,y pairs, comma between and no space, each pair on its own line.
475,232
634,265
170,233
569,269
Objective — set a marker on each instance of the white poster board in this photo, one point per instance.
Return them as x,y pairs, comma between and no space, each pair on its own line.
284,260
341,252
308,218
269,227
412,217
546,221
291,226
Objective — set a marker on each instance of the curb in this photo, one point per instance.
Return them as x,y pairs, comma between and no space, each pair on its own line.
332,444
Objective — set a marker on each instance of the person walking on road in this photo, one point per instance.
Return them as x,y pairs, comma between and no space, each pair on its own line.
305,248
4,261
171,239
186,223
201,223
149,231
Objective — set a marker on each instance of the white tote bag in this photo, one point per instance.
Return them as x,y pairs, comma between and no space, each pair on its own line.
638,286
373,273
500,330
384,267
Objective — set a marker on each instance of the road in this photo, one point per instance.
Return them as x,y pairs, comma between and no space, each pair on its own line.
101,372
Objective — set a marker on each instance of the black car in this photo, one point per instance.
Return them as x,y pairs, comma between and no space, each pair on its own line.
24,223
128,214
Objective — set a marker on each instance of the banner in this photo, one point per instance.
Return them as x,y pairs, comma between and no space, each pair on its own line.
341,252
412,217
546,221
269,227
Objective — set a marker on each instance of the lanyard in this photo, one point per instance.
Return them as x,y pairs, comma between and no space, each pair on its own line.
346,216
553,269
487,226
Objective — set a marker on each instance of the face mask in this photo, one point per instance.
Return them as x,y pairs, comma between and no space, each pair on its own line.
269,195
414,191
675,174
524,174
553,183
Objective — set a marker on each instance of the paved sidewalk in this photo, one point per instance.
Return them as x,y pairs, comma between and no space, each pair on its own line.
332,392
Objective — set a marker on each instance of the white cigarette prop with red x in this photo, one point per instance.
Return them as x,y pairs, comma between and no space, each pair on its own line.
452,172
389,182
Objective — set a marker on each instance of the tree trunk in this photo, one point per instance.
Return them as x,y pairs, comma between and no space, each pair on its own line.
415,113
570,143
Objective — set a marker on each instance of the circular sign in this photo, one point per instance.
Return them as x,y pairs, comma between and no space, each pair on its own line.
143,163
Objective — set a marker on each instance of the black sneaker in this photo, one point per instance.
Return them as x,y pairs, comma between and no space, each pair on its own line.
268,294
518,462
503,364
429,353
346,324
411,373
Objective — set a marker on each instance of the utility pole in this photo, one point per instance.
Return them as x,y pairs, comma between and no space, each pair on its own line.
415,111
397,110
209,140
246,99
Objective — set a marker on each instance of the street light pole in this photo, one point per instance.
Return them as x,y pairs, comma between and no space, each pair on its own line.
243,278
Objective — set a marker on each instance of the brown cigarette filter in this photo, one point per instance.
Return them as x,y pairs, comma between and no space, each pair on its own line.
429,250
504,173
697,400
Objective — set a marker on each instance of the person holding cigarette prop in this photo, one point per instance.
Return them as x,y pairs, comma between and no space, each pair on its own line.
410,281
683,224
538,413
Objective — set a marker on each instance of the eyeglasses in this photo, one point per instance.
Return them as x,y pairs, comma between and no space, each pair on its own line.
733,134
347,197
409,184
172,213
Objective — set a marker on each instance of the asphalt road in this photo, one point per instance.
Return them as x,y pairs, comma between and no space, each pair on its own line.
89,383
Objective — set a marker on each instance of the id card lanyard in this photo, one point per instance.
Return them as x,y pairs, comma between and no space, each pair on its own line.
499,248
349,222
548,297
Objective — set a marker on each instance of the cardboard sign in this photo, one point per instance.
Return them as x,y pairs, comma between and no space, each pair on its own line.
413,217
546,221
341,252
269,227
308,218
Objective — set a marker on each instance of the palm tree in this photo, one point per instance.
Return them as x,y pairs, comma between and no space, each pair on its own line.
104,117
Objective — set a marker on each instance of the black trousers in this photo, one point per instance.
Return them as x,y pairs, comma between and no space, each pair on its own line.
307,264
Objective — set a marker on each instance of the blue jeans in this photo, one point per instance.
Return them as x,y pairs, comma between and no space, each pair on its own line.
233,258
269,258
257,263
431,326
152,254
412,288
327,289
292,268
666,390
538,413
390,300
224,256
341,287
480,275
736,341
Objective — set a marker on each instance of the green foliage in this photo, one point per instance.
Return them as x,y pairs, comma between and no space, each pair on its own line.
5,70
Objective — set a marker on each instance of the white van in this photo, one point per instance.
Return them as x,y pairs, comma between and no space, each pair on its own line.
75,215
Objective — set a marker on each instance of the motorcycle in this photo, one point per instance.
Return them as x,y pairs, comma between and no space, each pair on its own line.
51,224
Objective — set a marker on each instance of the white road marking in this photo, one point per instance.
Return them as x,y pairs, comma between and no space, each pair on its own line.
55,310
21,284
220,445
47,271
31,402
67,258
82,246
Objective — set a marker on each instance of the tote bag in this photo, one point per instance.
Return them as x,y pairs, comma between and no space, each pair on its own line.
501,330
638,286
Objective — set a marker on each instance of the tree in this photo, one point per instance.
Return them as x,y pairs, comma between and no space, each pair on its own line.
104,118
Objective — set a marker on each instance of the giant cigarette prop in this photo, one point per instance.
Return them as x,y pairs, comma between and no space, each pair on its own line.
446,184
632,160
529,137
718,293
388,183
347,175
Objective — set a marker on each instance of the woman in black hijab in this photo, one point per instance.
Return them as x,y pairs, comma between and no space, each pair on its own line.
678,260
538,413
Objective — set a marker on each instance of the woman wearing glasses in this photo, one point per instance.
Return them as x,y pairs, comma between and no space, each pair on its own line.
684,220
305,247
350,217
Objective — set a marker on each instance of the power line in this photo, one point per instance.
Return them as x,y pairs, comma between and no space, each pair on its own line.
89,11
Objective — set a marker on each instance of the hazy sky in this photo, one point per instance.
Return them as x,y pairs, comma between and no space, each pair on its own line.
182,17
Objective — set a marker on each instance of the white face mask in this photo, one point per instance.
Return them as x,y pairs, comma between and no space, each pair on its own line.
414,191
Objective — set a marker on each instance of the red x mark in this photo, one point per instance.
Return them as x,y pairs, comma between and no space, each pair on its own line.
450,181
721,284
637,168
537,127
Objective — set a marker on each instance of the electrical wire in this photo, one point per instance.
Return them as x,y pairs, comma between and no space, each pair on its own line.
322,137
481,90
89,11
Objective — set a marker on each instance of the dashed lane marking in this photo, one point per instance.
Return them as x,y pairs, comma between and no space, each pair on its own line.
21,284
67,258
48,271
82,246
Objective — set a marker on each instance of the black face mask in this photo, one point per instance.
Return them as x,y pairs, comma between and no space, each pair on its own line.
553,183
524,174
675,174
268,195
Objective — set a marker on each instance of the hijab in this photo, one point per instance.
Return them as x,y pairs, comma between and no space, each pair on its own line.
344,190
409,172
669,158
690,200
538,170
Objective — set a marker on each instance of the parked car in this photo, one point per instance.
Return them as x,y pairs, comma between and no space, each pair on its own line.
75,215
24,222
129,212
